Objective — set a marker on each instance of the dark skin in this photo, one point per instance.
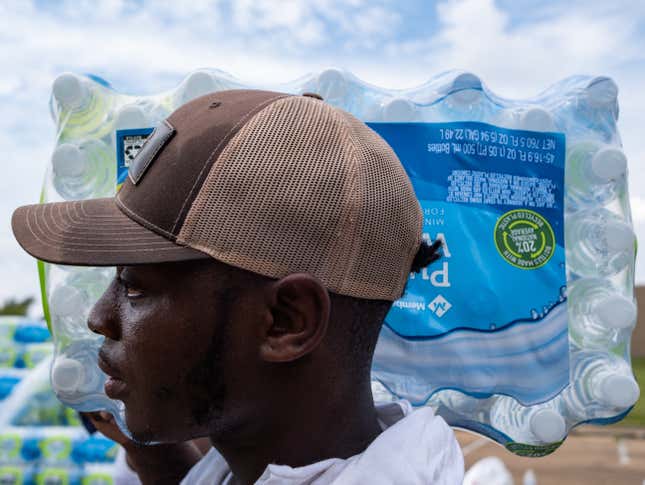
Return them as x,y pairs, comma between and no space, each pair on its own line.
202,349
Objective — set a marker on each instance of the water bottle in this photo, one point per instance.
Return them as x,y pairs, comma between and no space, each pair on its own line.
31,333
94,449
143,113
333,85
130,116
399,110
380,392
58,475
98,474
8,326
75,375
542,423
48,445
72,298
85,170
602,386
9,378
595,174
598,314
341,89
8,354
84,107
532,118
11,443
464,101
598,243
601,92
196,84
38,407
33,354
462,403
16,474
57,445
536,119
591,112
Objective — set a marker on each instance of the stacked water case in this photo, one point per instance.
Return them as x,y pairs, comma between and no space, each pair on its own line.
520,332
24,343
41,440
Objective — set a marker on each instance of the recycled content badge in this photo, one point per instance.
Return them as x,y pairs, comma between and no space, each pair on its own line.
524,239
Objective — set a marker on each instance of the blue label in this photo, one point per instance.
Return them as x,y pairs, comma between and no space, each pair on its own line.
467,177
494,197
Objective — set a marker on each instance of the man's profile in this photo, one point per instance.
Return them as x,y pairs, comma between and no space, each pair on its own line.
260,240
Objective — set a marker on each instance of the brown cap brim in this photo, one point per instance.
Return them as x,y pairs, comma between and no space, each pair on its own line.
92,233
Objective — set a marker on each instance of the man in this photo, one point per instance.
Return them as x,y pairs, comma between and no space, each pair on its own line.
259,240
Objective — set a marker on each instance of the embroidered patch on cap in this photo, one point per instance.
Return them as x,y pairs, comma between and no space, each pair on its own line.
150,149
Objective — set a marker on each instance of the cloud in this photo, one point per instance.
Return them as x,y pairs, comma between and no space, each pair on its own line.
523,59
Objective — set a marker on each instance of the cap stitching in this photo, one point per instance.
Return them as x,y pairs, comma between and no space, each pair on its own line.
147,224
206,163
44,242
353,210
78,223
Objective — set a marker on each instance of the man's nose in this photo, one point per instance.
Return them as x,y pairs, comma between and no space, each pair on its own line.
103,317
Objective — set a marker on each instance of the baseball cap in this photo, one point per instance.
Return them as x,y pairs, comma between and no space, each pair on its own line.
268,182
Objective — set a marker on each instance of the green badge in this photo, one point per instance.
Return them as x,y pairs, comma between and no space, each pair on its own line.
524,239
533,451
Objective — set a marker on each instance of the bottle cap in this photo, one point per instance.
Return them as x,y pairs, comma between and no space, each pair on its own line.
197,84
608,164
399,109
619,391
67,300
548,426
69,161
619,236
331,84
69,90
602,91
129,117
537,119
466,88
67,375
31,334
616,312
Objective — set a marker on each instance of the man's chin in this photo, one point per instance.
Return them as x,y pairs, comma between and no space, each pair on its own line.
142,433
148,434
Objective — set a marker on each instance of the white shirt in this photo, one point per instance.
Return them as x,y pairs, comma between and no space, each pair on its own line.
416,447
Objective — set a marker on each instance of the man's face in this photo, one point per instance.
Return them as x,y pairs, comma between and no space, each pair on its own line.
170,338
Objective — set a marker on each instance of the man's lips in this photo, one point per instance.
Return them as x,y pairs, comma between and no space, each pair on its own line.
114,386
107,367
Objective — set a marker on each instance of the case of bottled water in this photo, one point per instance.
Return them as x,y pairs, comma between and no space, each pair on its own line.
43,441
520,332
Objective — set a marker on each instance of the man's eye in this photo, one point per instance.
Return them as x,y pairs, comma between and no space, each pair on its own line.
133,293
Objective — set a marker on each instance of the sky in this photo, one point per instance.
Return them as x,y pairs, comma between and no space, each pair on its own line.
518,48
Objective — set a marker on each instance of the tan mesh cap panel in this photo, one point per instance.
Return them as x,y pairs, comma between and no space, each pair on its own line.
390,219
305,187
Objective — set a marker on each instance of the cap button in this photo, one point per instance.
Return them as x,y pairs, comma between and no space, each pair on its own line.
313,95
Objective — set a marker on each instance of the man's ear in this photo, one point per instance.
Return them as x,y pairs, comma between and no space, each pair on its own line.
297,318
